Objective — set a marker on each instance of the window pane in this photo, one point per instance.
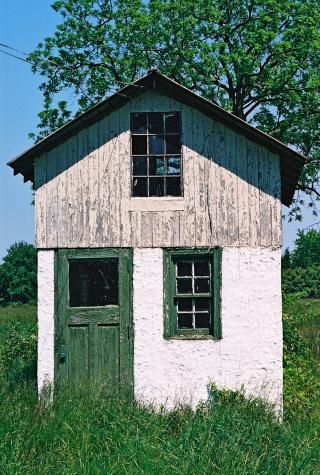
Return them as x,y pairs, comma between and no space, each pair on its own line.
202,320
172,144
184,268
201,286
184,286
173,186
156,145
140,187
139,145
139,165
93,282
201,268
172,122
155,122
185,320
156,186
173,166
139,123
156,166
202,304
184,305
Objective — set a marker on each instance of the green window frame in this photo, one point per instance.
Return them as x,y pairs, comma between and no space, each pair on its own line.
192,293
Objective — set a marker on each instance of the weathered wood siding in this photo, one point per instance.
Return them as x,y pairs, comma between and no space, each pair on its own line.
231,188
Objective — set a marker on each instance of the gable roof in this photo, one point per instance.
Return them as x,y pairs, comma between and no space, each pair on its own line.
291,162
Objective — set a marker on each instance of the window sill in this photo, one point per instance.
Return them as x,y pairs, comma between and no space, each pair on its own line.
165,203
192,337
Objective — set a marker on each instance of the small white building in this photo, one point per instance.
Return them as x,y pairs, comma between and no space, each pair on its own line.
158,229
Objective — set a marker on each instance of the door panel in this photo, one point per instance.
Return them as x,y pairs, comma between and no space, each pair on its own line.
93,318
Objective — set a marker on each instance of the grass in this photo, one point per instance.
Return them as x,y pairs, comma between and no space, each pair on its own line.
86,433
307,313
18,313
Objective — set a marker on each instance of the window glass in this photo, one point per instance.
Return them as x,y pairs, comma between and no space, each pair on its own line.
156,154
93,282
139,165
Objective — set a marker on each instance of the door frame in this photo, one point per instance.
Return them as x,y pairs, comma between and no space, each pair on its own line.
126,332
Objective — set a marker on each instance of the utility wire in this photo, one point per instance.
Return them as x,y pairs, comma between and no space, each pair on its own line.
14,56
13,49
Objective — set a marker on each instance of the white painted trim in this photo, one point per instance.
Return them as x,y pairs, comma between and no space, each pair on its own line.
156,204
46,296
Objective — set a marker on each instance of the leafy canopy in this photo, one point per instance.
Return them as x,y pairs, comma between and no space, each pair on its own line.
256,58
18,275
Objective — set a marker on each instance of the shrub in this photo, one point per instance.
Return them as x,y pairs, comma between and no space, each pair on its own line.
18,275
302,279
301,368
18,352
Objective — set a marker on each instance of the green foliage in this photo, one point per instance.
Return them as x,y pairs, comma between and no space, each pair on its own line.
299,279
307,249
286,260
301,367
301,267
18,275
18,352
257,59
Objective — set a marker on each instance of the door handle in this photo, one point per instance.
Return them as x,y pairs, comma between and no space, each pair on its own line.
63,353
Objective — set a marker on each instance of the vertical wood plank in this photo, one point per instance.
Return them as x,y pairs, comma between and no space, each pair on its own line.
52,199
40,170
62,197
243,190
275,181
264,198
253,189
74,202
188,222
93,183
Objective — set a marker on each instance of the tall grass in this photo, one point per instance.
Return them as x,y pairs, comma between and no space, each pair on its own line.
85,433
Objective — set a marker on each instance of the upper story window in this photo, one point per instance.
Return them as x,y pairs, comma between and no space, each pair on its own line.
156,154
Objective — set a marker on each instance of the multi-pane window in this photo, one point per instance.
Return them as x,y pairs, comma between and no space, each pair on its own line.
192,293
156,154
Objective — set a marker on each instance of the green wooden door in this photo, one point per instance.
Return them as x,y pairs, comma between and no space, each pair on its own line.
94,342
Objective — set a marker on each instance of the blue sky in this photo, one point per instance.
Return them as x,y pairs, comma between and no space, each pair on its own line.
23,24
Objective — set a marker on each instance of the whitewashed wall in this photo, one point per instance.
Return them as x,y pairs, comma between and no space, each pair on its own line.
46,296
231,188
250,351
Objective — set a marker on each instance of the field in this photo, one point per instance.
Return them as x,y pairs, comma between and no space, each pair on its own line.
86,433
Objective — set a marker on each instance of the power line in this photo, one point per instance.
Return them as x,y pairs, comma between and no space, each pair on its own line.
13,49
14,56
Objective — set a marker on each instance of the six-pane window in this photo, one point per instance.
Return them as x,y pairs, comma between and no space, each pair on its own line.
156,154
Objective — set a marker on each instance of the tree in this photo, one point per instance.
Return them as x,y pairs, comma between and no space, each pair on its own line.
286,259
257,58
18,275
307,249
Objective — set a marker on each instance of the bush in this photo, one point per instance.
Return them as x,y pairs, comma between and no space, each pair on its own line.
18,275
18,352
301,368
300,279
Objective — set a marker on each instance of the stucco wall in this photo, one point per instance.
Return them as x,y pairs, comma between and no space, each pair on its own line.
45,318
250,351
